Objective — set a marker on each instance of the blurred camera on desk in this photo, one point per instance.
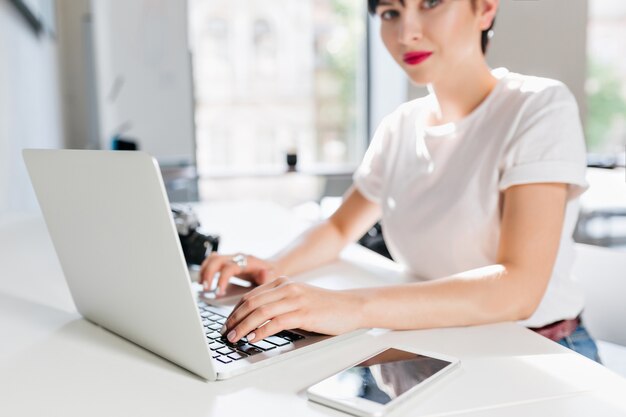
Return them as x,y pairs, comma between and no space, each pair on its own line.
196,244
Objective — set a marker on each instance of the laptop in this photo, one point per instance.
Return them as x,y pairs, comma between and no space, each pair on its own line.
110,222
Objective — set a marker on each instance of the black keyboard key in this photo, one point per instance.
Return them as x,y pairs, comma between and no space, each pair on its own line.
224,359
291,336
278,341
225,350
263,345
227,342
249,349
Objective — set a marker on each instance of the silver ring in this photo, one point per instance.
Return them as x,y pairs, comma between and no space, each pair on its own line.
240,260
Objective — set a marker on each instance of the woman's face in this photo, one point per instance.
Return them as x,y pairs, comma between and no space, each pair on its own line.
433,38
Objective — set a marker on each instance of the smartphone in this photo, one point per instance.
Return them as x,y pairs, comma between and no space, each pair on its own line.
379,383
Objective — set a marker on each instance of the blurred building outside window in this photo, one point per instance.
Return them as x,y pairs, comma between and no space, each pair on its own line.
606,80
278,76
603,212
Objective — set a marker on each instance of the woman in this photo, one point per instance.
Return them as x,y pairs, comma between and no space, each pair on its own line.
476,186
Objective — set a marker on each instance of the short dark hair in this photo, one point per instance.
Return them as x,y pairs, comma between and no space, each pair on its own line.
484,37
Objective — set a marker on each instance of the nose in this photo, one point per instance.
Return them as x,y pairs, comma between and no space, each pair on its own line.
411,29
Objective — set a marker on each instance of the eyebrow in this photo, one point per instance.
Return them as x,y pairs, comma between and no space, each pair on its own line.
389,2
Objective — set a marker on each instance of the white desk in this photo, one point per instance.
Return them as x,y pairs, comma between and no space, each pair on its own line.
53,363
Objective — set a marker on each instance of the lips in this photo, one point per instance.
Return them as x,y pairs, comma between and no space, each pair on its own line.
417,57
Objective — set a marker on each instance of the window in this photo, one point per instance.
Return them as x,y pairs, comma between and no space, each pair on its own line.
606,83
603,213
278,76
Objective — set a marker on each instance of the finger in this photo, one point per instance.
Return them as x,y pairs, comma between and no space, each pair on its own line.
250,304
258,277
265,276
254,263
203,269
259,290
286,321
256,291
251,276
226,273
260,316
254,270
213,264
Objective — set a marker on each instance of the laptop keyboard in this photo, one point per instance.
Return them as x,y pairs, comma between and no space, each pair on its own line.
227,352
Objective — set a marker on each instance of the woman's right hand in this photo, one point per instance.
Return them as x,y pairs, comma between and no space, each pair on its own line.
257,271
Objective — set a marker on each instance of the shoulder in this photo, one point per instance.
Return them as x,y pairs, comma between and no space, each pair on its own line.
533,93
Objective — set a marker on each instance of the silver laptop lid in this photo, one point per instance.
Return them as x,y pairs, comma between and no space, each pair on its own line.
110,222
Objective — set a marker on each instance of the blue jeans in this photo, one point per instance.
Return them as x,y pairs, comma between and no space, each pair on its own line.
581,342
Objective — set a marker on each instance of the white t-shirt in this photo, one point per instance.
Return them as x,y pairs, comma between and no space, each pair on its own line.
441,188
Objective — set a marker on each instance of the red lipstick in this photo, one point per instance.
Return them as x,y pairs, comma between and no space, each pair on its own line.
417,57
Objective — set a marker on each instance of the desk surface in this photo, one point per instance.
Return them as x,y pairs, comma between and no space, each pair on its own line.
54,363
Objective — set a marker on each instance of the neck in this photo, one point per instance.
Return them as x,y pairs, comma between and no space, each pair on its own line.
458,95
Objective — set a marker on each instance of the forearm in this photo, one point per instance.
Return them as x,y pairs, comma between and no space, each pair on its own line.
317,246
322,243
486,295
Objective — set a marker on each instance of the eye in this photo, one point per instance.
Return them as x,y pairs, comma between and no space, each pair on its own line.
389,14
430,4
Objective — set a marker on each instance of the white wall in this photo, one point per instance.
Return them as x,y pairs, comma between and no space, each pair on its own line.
74,46
543,38
30,104
4,114
143,72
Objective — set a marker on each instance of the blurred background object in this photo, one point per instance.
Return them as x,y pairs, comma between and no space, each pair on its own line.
221,91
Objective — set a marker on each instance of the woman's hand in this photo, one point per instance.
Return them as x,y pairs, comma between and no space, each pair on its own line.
283,304
257,271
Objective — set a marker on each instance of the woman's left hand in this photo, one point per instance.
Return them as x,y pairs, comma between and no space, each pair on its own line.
283,304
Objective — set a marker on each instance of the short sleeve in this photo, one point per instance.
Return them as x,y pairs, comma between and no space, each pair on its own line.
369,177
548,145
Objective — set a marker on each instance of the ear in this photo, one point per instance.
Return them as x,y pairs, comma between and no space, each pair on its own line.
487,11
